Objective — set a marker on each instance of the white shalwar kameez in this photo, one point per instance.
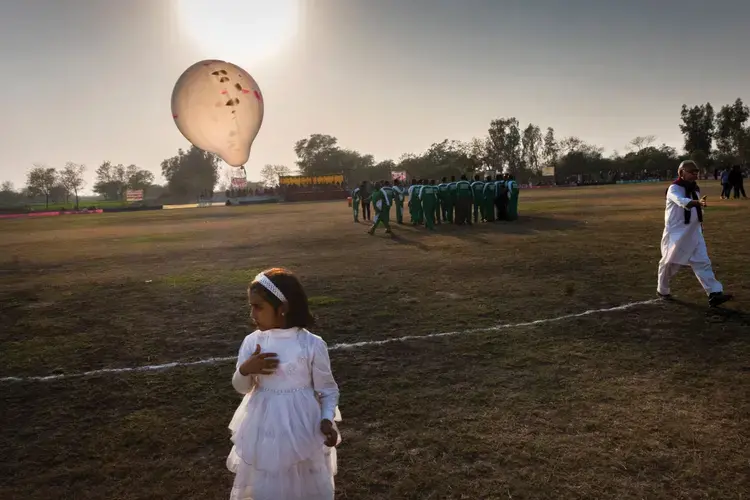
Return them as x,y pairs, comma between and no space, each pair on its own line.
683,244
279,451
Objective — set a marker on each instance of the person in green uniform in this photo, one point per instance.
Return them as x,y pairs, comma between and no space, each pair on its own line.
428,197
381,201
477,190
388,190
364,195
488,199
398,200
463,201
420,208
446,207
355,203
415,207
438,215
453,198
513,192
501,197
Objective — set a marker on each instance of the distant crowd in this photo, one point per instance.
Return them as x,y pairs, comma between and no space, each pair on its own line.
732,179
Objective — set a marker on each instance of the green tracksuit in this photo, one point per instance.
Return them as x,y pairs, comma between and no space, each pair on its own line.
513,191
415,206
398,201
446,203
463,202
381,202
477,190
488,202
453,201
356,199
428,197
501,200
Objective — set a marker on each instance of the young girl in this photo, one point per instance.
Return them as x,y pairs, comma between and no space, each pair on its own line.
283,432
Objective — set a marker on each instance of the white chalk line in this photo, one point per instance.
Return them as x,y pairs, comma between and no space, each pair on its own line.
334,347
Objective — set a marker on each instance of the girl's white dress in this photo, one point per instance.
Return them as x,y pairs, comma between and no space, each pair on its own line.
279,451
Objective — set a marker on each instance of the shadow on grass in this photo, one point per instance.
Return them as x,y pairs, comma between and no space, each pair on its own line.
724,314
526,225
399,238
673,334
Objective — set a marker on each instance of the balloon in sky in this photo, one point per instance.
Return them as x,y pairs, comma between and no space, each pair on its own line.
218,107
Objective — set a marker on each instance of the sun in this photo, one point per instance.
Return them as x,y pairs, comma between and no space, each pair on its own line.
243,32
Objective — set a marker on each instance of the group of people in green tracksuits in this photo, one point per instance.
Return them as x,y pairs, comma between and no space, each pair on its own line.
431,203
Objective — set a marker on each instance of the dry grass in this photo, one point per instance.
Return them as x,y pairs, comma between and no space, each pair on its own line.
653,402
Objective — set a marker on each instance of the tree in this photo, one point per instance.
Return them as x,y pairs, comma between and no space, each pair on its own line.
352,164
570,145
382,170
504,145
652,159
730,131
40,181
315,155
575,144
700,158
8,194
495,144
531,146
698,127
111,181
640,142
155,191
450,157
551,149
270,174
59,193
137,178
71,178
513,148
416,166
476,153
191,173
744,146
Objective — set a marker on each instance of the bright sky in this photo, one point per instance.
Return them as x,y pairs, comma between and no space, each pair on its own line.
91,80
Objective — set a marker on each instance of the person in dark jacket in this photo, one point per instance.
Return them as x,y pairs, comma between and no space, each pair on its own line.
736,182
726,187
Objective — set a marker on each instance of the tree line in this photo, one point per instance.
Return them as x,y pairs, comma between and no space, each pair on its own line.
711,138
188,173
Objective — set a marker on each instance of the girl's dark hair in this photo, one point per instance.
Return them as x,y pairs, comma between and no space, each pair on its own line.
298,312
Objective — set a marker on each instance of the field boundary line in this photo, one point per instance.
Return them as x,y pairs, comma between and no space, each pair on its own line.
334,347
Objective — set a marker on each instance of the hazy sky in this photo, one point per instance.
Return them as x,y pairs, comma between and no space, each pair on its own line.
91,80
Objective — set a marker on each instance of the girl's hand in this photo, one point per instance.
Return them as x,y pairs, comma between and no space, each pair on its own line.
260,364
326,427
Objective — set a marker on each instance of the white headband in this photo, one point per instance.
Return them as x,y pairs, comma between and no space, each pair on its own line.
268,285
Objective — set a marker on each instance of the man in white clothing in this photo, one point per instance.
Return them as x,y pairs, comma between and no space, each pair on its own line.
682,243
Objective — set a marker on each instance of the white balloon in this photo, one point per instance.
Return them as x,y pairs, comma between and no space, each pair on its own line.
218,107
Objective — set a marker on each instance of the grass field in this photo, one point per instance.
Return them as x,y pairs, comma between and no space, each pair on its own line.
648,402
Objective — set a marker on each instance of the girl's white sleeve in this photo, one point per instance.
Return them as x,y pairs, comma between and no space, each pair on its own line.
323,381
241,383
